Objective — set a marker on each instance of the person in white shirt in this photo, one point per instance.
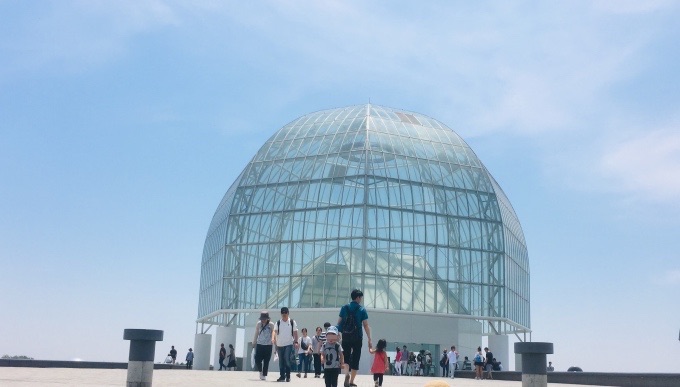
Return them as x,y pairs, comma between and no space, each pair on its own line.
453,360
304,352
285,338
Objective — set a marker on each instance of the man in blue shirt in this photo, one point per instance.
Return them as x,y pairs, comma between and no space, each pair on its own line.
352,318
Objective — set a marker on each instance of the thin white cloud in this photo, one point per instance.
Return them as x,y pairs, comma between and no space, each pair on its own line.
505,69
538,75
631,6
669,278
71,37
647,164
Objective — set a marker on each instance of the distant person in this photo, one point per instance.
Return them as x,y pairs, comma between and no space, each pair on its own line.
479,363
420,367
497,366
263,343
322,337
488,364
223,355
231,365
304,353
380,363
411,365
286,340
452,357
550,367
404,361
332,358
467,365
444,363
397,362
352,317
173,354
316,352
190,359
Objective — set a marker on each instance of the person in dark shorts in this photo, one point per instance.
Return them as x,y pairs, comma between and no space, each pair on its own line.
173,354
479,364
353,317
488,364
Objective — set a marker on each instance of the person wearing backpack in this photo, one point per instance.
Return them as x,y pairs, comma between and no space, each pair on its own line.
286,340
352,318
479,363
444,363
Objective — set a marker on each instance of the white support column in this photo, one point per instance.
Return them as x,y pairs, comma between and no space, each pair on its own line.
247,340
223,335
500,347
202,351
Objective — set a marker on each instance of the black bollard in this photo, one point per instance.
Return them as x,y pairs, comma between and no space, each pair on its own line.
142,351
534,356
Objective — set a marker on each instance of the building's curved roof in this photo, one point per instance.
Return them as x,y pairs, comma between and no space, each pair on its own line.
368,181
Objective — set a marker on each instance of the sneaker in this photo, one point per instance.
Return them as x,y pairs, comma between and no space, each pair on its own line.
346,384
281,379
305,375
376,384
288,380
298,375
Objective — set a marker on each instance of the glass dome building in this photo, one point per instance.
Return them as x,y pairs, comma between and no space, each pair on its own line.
388,201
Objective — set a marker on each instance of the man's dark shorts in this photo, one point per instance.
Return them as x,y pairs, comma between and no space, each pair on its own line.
351,350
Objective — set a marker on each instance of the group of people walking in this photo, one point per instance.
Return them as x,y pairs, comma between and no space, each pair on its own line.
485,362
231,364
334,348
449,362
409,363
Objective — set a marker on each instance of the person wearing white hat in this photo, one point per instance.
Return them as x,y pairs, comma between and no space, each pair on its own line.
332,357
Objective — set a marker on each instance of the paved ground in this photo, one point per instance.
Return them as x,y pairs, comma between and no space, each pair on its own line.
34,377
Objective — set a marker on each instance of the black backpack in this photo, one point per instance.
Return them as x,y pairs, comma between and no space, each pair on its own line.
350,329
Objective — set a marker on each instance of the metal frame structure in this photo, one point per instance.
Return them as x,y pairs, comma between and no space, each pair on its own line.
389,201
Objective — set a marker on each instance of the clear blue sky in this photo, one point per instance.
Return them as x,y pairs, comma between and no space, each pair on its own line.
122,124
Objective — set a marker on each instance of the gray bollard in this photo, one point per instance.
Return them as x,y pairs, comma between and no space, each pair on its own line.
534,363
142,351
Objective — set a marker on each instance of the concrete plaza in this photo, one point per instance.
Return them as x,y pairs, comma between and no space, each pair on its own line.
35,377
